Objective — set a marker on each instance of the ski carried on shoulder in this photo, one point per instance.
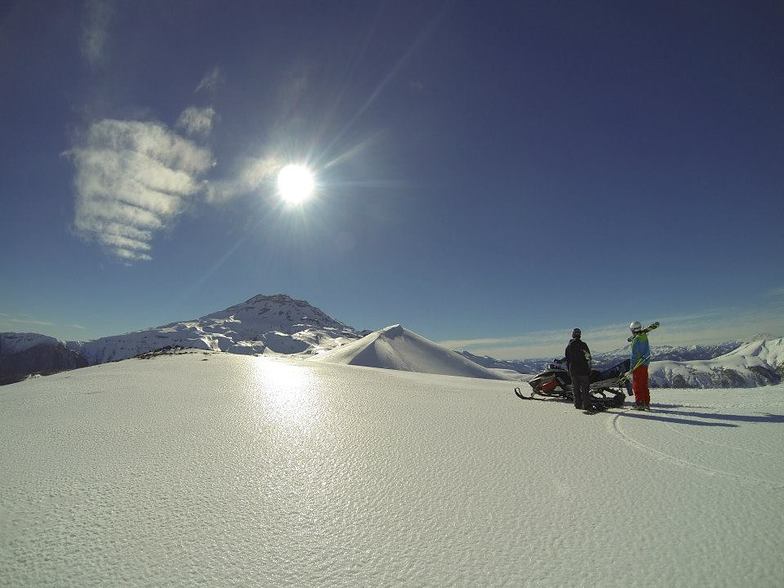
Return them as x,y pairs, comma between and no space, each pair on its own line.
648,329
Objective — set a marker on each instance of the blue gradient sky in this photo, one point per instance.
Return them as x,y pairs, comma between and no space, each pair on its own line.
489,174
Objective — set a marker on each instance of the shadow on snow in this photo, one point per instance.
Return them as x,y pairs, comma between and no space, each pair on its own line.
668,413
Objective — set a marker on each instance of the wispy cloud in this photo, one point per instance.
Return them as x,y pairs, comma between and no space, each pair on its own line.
776,294
539,343
545,336
31,322
211,80
132,179
196,121
98,15
17,320
711,326
250,175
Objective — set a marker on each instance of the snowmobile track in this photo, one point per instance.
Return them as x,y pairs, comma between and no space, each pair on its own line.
615,427
676,430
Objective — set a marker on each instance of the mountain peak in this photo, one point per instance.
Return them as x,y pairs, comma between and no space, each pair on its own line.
276,323
392,331
281,298
397,348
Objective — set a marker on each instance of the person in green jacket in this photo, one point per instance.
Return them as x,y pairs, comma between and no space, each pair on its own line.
641,357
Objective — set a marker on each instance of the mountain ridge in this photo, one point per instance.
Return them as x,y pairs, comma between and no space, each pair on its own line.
728,365
274,323
280,324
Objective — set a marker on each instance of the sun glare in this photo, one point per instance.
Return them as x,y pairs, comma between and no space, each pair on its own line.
295,184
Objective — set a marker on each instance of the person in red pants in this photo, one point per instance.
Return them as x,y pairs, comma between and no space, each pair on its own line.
641,357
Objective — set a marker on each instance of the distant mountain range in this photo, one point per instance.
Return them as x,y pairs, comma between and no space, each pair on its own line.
757,363
262,324
610,358
729,365
280,324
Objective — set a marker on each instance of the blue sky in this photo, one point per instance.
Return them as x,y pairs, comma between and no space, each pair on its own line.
488,174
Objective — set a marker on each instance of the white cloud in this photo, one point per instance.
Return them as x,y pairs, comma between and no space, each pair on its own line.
777,293
196,121
132,179
251,175
7,318
211,80
95,30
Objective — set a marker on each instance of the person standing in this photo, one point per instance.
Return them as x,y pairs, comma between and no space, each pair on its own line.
641,357
578,362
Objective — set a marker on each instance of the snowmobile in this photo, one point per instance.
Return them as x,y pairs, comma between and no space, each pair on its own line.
608,388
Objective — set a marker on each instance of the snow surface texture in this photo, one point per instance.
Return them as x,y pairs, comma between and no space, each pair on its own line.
396,348
226,469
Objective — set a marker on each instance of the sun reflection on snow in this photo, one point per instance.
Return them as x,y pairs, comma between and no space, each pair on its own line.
286,393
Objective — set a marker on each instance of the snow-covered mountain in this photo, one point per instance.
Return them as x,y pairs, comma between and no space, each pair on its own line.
727,365
397,348
670,353
22,354
277,323
262,324
11,343
523,366
752,364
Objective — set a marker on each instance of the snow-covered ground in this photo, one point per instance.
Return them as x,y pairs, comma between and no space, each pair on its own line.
216,468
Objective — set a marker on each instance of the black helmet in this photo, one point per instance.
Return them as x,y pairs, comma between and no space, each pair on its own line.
576,333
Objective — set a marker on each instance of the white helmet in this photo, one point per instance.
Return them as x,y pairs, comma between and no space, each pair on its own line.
635,326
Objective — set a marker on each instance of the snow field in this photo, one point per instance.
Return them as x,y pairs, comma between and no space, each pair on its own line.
216,468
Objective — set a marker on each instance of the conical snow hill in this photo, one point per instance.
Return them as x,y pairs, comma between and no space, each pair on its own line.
397,348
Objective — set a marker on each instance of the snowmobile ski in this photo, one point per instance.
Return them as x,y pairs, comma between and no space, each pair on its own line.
519,394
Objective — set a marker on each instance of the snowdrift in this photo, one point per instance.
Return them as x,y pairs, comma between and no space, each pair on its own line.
397,348
752,364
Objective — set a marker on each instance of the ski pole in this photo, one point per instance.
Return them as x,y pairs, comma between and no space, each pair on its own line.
636,365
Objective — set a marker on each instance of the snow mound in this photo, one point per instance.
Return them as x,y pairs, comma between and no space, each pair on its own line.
397,348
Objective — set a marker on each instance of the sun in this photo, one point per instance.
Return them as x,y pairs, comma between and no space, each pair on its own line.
295,184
